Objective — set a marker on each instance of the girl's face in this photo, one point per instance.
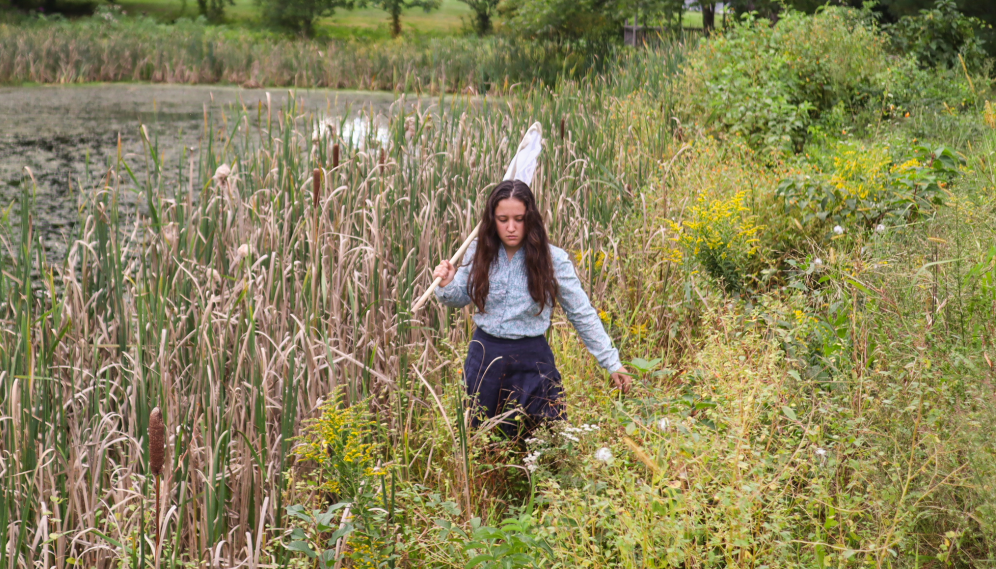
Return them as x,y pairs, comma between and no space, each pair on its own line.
510,215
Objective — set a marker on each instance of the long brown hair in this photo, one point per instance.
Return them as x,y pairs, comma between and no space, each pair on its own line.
539,264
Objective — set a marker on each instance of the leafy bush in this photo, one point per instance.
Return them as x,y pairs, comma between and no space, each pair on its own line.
769,82
863,186
937,37
511,545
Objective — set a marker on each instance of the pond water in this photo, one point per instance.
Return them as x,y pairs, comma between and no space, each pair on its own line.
66,135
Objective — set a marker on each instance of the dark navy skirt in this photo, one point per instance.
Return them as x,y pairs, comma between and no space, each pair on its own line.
516,373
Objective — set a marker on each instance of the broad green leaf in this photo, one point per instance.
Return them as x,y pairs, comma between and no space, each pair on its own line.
302,547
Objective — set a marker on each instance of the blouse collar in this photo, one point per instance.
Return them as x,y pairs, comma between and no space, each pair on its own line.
503,255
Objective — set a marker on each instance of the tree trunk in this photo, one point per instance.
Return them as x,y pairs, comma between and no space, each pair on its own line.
396,22
483,23
708,18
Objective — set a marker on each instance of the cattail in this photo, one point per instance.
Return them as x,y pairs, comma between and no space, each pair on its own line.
157,448
157,441
383,158
335,156
562,128
317,178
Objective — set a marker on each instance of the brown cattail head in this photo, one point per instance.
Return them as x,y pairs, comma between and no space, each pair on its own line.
383,158
335,155
157,441
317,176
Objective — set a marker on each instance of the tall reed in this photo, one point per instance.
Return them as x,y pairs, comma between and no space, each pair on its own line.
277,268
64,52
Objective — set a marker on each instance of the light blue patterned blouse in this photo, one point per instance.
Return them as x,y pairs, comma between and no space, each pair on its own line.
511,313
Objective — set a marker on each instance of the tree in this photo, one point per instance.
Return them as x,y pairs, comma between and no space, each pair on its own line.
483,13
213,9
395,7
764,8
593,20
300,15
708,14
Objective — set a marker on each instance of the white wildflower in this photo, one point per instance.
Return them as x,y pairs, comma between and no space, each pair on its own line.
838,230
879,228
664,424
817,262
821,454
604,455
530,460
571,437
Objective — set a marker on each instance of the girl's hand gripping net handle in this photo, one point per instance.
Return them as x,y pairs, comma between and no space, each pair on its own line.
456,259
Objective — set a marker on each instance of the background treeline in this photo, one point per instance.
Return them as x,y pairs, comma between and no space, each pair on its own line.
589,20
475,46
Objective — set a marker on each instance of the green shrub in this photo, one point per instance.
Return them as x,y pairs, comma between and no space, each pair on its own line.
937,37
769,83
513,544
861,185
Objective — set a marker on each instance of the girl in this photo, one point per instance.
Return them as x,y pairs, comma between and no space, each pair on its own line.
515,277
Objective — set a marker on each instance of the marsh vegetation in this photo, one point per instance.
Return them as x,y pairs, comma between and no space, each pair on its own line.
787,230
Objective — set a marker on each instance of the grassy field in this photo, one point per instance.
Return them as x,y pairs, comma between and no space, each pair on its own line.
800,275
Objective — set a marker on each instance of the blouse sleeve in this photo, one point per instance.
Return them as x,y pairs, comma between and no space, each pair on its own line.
582,314
455,294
